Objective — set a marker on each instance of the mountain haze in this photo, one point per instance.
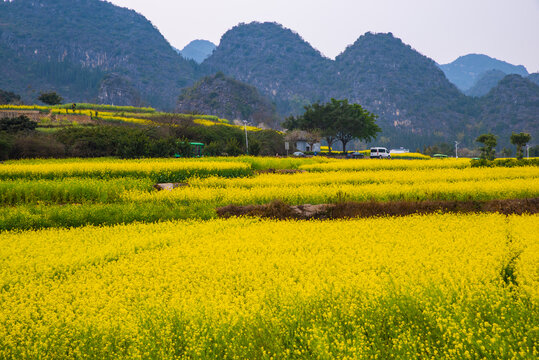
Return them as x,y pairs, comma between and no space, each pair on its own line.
485,82
534,78
513,105
465,71
198,50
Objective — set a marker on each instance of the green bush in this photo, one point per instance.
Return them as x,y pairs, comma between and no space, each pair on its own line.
36,146
213,149
6,143
233,147
17,124
505,162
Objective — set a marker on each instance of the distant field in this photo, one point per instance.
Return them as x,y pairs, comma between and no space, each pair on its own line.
97,263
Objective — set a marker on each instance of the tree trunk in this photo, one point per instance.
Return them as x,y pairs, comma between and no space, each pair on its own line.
344,146
330,140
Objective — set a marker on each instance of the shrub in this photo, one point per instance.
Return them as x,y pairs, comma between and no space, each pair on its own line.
36,146
6,143
233,147
163,147
213,149
183,148
505,162
17,124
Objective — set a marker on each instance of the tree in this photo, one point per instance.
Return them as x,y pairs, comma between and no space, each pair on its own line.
489,143
50,98
7,97
315,119
353,122
17,124
520,140
336,120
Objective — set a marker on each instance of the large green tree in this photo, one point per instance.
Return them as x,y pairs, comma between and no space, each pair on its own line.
336,120
520,140
489,142
50,98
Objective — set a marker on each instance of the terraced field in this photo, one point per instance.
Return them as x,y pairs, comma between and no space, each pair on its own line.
97,263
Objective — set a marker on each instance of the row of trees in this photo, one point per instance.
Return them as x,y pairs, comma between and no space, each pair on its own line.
490,141
334,121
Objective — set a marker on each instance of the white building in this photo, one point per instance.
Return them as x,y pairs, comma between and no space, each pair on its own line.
399,151
302,146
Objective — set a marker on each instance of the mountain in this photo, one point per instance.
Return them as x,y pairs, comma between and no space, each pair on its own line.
71,45
415,101
406,89
485,82
118,90
276,60
198,50
534,78
513,105
464,71
228,98
91,50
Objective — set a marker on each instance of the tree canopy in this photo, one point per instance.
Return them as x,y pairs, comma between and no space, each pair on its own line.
489,142
336,120
17,124
50,98
520,140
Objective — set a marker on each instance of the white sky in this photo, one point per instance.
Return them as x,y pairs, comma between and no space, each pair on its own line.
440,29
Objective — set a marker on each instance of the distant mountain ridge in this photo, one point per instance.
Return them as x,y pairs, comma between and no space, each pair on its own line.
485,82
467,69
198,50
512,105
91,50
534,78
378,71
411,94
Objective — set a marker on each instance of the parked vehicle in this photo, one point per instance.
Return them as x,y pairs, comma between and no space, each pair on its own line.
298,154
380,153
355,155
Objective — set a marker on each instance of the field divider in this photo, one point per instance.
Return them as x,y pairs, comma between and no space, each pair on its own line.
277,209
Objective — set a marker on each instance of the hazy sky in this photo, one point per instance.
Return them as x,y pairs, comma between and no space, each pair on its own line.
440,29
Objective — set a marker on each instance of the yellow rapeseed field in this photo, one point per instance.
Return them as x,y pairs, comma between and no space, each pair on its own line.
436,287
164,169
379,164
323,187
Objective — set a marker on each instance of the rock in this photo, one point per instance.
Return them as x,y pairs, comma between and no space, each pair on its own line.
169,186
309,211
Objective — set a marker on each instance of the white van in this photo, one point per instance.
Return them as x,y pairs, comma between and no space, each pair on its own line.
380,153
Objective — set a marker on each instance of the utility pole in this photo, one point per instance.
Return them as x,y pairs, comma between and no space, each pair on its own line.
456,149
246,141
527,151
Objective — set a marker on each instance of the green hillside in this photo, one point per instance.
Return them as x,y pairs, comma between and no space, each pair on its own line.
70,45
228,98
